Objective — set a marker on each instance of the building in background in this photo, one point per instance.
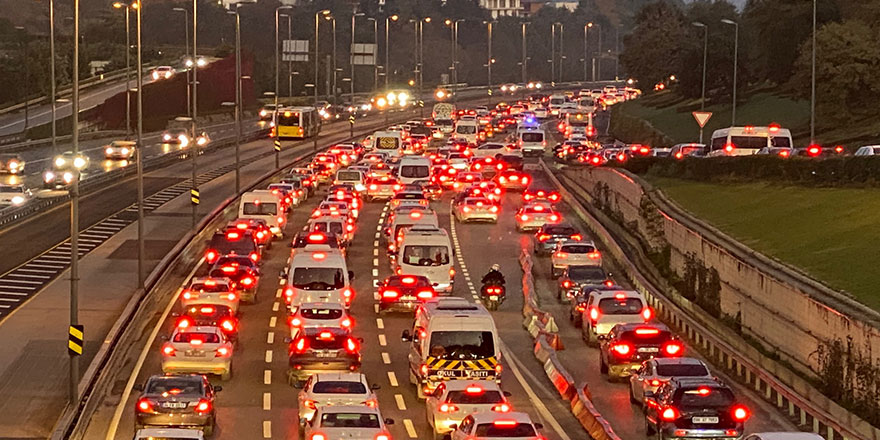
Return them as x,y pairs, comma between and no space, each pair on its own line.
503,8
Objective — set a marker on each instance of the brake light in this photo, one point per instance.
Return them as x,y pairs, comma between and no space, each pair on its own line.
498,369
669,414
554,218
233,235
673,349
814,150
493,209
168,350
740,413
523,217
566,284
347,293
222,352
561,255
448,408
184,322
247,281
310,404
425,294
647,313
729,148
317,436
594,314
505,423
301,345
622,349
227,325
543,237
501,407
144,405
390,293
382,436
319,256
211,256
594,255
647,331
351,346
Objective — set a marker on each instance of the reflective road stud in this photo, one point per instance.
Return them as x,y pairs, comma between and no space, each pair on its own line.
75,340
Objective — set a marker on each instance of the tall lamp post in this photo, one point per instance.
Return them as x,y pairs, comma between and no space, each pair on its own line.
351,55
192,60
375,45
453,25
489,59
813,82
74,210
52,79
195,108
705,56
289,63
127,8
238,100
388,21
586,47
735,60
317,53
524,53
278,57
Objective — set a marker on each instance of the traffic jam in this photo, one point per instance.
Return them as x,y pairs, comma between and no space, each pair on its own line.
298,244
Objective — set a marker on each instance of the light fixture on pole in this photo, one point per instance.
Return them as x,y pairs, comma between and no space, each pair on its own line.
489,60
735,60
125,7
194,189
388,20
524,62
705,56
317,53
375,44
142,264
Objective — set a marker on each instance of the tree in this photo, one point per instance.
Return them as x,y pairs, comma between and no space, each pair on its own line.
654,48
719,71
847,72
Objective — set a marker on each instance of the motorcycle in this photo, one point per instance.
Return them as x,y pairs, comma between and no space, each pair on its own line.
493,295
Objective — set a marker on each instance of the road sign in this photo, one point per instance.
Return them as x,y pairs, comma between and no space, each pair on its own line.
351,119
702,118
75,340
363,54
277,145
295,50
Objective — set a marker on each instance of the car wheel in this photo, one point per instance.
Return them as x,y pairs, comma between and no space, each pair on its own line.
603,367
649,430
590,337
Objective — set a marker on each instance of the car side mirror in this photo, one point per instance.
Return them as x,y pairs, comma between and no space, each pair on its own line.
351,275
507,393
298,385
218,388
375,387
539,426
406,336
138,387
288,340
389,422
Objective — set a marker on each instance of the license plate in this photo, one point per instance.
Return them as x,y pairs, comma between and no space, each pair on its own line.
649,350
326,354
493,297
476,373
407,298
174,405
195,353
705,420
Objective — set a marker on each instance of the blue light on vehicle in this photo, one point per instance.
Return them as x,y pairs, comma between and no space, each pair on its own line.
530,120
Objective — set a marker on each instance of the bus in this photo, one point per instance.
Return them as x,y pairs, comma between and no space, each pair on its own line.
297,122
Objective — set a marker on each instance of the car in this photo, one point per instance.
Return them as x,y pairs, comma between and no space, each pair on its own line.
695,408
318,315
179,401
288,194
867,150
574,252
198,349
162,72
176,136
452,400
120,150
534,216
11,164
304,238
206,312
334,389
382,187
476,209
169,434
404,293
680,151
14,195
575,275
608,308
578,297
217,290
492,425
490,149
257,227
409,198
232,242
465,179
512,179
512,161
626,346
657,371
784,436
532,194
348,422
267,111
243,271
485,188
64,169
315,350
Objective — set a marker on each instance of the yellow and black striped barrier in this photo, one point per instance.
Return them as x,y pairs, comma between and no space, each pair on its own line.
277,145
478,364
75,340
194,196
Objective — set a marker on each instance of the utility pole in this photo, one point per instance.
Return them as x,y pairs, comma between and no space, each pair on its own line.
813,82
524,52
192,60
489,62
194,144
52,79
73,380
142,265
735,56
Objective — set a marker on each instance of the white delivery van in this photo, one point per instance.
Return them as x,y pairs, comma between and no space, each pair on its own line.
423,217
531,141
452,340
467,129
318,273
263,205
427,251
413,168
354,177
388,142
555,104
744,141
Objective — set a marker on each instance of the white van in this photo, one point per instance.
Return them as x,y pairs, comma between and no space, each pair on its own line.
354,177
467,129
413,168
263,205
422,217
389,142
318,273
427,251
748,140
531,141
556,102
452,340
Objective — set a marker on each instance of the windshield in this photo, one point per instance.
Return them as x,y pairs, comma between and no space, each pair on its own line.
332,227
462,345
318,278
426,255
682,370
578,248
557,101
780,142
466,129
206,338
349,175
251,208
586,273
349,420
320,313
223,246
174,385
493,430
532,137
339,387
288,118
465,398
627,306
717,397
749,142
443,122
415,171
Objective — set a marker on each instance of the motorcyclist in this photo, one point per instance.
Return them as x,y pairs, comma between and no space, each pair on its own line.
494,276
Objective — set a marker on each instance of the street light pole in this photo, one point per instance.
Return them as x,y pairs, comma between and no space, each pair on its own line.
74,209
192,60
125,7
489,61
813,82
561,50
735,60
351,56
388,21
333,29
552,54
237,109
524,52
277,58
289,63
376,45
586,47
52,79
194,144
705,56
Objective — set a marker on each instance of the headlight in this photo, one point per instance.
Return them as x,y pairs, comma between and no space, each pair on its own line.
125,151
48,176
183,139
59,162
263,113
68,177
202,141
13,165
17,200
108,151
155,75
166,137
167,75
79,163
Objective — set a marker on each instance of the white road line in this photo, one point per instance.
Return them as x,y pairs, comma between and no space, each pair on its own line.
267,429
375,294
392,379
270,338
268,356
377,235
267,401
410,429
401,405
380,323
376,308
375,272
273,321
12,300
275,306
278,293
382,340
281,281
27,269
386,358
375,262
126,393
376,243
375,252
267,377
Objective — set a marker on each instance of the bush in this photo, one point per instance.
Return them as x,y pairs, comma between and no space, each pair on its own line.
831,172
635,130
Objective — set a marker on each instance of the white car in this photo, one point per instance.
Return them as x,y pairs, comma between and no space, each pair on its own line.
476,209
490,149
162,72
213,289
120,150
574,253
169,434
606,308
535,215
492,425
350,422
868,150
655,372
451,401
198,349
318,315
14,195
335,389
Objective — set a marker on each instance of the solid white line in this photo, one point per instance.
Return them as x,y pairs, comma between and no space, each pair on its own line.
270,338
4,292
123,400
267,401
7,280
380,323
410,429
273,321
268,356
267,377
386,358
401,405
392,379
267,429
382,340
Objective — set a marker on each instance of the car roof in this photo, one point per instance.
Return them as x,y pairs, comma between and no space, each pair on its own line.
320,305
611,293
341,377
336,409
678,361
647,325
491,416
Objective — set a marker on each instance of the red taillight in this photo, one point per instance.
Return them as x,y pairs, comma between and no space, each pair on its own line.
382,436
247,281
168,350
301,345
425,294
351,346
622,349
594,314
390,293
144,405
317,436
673,349
566,284
223,352
211,256
310,404
647,313
740,413
346,323
524,217
227,325
255,257
505,423
424,369
448,408
184,322
669,414
501,407
543,237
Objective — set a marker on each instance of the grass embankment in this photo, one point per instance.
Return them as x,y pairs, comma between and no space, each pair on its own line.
830,233
673,117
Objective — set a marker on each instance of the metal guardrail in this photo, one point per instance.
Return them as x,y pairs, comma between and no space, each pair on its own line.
788,400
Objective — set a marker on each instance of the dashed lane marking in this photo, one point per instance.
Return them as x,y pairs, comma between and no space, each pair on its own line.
401,405
410,428
268,356
273,321
275,306
375,272
382,340
380,324
267,401
267,429
270,338
392,379
386,358
278,293
267,377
